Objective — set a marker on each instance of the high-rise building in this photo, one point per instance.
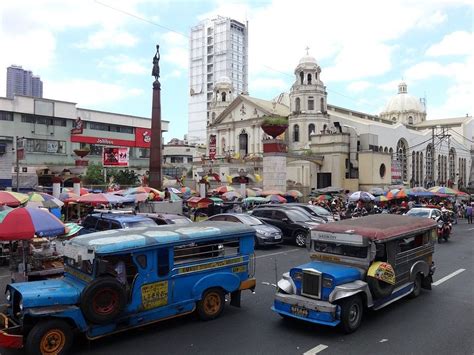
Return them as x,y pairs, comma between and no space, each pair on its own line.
218,48
23,82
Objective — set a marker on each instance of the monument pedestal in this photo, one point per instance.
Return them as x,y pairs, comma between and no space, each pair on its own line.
274,164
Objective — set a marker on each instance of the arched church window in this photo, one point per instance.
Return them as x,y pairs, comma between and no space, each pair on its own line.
421,176
243,144
385,150
310,104
223,147
296,133
410,120
323,109
309,79
301,78
452,164
402,158
394,119
429,165
297,104
311,130
223,96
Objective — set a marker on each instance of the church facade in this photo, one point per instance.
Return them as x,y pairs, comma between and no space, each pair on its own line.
335,146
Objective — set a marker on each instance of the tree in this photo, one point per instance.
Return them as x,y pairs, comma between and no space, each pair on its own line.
94,175
124,176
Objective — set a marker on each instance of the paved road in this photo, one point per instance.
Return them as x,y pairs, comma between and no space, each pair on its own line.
440,321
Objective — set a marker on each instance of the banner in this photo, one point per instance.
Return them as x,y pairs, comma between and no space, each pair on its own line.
78,126
212,147
115,157
142,137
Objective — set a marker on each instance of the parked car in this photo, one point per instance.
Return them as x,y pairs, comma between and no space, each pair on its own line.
167,218
295,225
266,234
358,264
318,213
433,213
104,221
123,279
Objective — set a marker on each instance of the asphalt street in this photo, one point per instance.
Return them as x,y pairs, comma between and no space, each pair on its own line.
440,321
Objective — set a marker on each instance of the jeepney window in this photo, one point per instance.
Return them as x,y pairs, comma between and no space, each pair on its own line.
102,225
163,261
341,249
89,222
381,252
83,265
142,261
413,242
121,267
207,250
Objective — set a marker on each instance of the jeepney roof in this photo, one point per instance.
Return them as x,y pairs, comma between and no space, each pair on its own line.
119,240
379,227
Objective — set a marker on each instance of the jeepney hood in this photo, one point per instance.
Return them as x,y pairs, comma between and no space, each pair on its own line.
48,292
339,273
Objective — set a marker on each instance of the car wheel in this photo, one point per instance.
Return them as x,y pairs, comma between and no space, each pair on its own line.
300,239
352,311
212,304
49,337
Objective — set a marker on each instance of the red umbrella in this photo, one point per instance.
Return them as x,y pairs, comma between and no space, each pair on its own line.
224,189
68,197
83,190
101,198
275,198
12,199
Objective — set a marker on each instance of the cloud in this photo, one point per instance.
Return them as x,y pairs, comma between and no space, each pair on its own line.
358,86
108,38
432,20
263,84
88,92
455,43
177,56
124,64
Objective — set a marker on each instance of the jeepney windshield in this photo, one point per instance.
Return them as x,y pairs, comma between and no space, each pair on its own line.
85,266
341,249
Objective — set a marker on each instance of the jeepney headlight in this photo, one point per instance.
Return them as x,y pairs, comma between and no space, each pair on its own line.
20,305
327,283
298,276
9,296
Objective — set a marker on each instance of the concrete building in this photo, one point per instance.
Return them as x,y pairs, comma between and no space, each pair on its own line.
178,157
218,48
335,146
23,82
53,130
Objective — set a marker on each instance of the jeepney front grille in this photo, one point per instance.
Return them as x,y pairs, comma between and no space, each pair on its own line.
311,285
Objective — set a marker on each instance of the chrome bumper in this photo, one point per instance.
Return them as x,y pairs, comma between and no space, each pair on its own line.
316,305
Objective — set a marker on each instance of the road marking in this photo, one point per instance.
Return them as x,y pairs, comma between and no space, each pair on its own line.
471,229
447,277
281,252
316,349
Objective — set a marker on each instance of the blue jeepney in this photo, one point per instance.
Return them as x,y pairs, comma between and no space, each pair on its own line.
369,262
120,279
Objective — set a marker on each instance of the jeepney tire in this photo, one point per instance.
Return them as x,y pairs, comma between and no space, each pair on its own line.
211,305
300,238
416,286
352,311
379,288
52,336
103,300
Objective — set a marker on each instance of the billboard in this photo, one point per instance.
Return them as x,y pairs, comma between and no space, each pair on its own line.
142,137
113,156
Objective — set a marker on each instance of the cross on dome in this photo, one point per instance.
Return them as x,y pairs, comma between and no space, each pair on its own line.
307,50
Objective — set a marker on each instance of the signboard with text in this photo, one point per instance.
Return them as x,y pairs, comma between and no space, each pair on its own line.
115,157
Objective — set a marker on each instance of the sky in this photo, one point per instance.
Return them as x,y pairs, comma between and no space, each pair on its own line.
98,53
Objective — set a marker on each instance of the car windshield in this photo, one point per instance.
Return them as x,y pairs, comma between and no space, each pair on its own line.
415,212
250,221
134,224
319,210
297,216
340,249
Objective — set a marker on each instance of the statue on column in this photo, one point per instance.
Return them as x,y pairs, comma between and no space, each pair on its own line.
156,64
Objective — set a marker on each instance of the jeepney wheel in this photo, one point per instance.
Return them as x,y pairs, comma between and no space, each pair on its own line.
103,300
352,310
51,337
416,286
300,239
212,304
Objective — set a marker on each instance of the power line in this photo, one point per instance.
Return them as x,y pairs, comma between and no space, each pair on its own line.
459,134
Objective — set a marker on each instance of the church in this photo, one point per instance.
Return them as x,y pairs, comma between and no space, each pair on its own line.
335,146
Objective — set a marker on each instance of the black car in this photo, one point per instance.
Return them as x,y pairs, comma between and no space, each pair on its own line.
167,218
266,233
318,213
294,224
104,221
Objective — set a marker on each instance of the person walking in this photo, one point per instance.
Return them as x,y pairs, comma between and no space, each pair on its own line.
469,213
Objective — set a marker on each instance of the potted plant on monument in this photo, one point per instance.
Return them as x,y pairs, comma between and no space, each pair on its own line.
274,125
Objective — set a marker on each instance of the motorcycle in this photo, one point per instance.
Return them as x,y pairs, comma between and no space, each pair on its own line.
444,230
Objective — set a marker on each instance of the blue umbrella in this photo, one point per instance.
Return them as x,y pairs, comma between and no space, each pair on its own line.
361,196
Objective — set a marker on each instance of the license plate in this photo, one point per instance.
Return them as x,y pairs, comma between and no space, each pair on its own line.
299,311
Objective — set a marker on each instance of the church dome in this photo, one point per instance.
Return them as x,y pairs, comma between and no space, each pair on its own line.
307,59
403,102
223,80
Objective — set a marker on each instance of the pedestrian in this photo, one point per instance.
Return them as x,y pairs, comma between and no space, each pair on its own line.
469,213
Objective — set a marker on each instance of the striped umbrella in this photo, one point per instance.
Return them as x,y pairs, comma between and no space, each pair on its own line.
106,199
391,194
12,199
68,197
443,190
41,199
224,189
324,198
361,196
83,190
231,195
140,190
275,198
381,198
401,194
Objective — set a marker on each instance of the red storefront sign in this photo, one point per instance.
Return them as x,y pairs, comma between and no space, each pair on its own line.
212,146
102,141
142,137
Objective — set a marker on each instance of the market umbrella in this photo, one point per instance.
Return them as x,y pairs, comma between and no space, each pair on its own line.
361,196
381,198
324,198
140,190
275,198
293,193
271,192
419,192
71,229
101,198
41,199
255,199
12,199
391,194
377,191
442,190
231,195
217,199
68,197
174,190
250,192
25,222
401,194
224,189
83,190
